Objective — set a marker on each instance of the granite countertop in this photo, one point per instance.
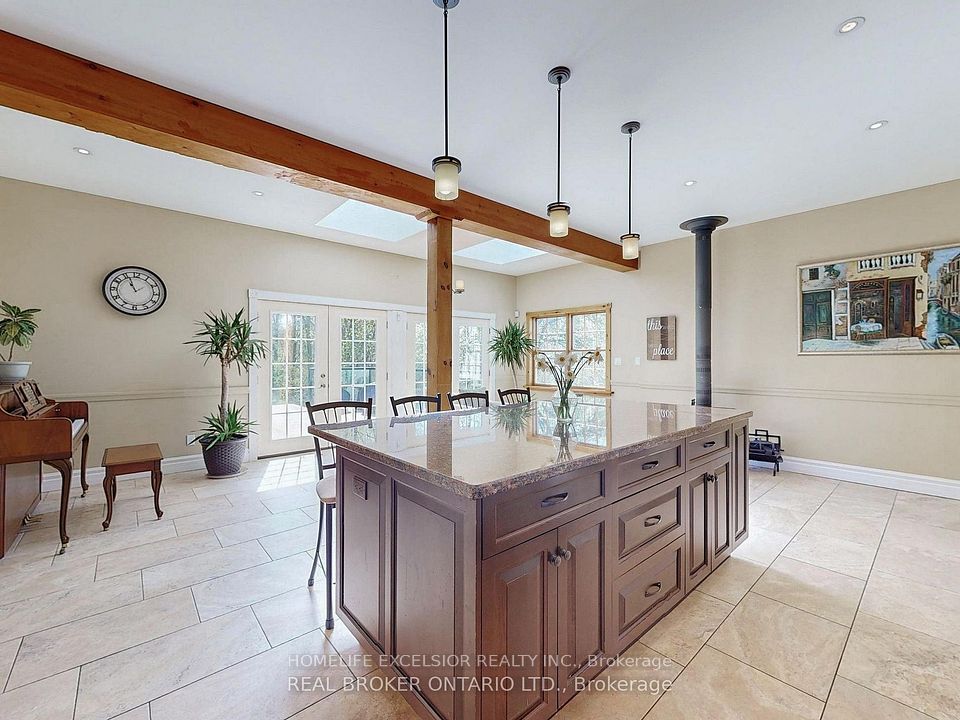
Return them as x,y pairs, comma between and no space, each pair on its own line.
477,453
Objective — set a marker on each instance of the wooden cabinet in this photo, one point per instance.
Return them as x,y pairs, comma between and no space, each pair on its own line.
699,528
647,592
741,484
718,509
519,620
543,600
361,547
585,630
554,577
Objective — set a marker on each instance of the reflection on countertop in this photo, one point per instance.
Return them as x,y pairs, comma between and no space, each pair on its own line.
479,452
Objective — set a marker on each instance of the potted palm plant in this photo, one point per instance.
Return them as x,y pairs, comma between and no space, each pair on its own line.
228,339
511,347
17,327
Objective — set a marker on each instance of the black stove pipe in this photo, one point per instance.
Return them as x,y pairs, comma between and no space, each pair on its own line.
703,228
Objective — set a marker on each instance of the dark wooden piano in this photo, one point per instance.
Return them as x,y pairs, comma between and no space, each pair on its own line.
35,431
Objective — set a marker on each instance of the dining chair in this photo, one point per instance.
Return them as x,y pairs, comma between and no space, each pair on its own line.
513,396
415,405
468,400
331,413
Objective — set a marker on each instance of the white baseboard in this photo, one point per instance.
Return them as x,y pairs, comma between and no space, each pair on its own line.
183,463
892,479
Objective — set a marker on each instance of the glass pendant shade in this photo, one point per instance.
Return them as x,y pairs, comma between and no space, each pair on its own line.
559,214
631,246
446,178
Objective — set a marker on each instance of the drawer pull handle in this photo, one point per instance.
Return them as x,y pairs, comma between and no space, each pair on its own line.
650,465
653,589
564,553
554,560
710,443
652,520
554,500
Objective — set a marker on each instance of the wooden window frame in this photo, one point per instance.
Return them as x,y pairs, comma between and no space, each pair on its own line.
532,317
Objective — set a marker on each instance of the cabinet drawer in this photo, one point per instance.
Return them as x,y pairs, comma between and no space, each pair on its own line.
635,473
646,593
512,517
706,444
649,521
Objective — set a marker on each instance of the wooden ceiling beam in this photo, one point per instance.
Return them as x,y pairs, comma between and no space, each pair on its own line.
41,80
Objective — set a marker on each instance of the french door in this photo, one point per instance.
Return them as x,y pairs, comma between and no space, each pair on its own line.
471,357
317,354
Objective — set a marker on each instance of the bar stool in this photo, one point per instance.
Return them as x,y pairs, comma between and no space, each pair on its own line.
514,396
469,400
415,405
333,413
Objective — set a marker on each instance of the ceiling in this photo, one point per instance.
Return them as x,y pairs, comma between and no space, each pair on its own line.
764,104
43,151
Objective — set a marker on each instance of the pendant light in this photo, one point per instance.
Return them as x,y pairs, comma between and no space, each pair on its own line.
559,211
446,168
630,241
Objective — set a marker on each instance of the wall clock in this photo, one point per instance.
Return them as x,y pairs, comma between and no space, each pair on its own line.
134,290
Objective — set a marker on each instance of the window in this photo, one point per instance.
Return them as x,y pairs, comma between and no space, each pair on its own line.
420,358
573,330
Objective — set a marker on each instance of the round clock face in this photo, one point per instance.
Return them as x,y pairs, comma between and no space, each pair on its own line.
134,290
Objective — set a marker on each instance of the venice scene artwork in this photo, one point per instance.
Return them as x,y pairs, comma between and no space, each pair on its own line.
905,301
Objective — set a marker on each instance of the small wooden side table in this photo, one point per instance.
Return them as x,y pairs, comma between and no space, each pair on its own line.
131,459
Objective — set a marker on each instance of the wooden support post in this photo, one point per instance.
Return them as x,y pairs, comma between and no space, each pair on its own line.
439,307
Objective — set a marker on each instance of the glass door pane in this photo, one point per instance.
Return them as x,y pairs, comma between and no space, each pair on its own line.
294,374
471,357
358,355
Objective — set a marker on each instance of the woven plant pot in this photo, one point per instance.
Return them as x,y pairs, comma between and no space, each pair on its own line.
225,459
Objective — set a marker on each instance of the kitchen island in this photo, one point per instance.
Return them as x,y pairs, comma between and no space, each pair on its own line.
494,561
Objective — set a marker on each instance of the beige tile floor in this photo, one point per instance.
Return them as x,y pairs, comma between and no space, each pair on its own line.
844,603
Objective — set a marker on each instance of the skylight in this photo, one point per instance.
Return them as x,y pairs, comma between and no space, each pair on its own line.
359,218
498,252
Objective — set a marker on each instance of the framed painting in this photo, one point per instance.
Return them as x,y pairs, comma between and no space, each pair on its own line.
900,302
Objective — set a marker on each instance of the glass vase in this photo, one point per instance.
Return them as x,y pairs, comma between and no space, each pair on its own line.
565,405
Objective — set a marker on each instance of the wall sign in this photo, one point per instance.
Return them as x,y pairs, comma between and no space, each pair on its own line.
662,337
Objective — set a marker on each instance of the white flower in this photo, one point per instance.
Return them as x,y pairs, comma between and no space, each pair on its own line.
561,358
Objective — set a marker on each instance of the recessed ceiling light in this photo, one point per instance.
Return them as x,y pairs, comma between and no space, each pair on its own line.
877,125
690,183
81,150
848,26
258,193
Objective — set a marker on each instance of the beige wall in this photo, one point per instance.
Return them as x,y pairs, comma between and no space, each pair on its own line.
57,245
897,412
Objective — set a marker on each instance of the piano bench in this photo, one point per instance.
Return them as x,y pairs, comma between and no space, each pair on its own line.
131,459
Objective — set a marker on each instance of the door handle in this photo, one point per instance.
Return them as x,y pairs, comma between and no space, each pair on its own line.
710,443
710,477
323,385
564,553
554,500
653,589
650,465
554,560
652,520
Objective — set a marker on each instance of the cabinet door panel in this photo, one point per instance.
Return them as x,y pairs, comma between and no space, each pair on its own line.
584,632
699,529
724,496
519,600
361,547
741,485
